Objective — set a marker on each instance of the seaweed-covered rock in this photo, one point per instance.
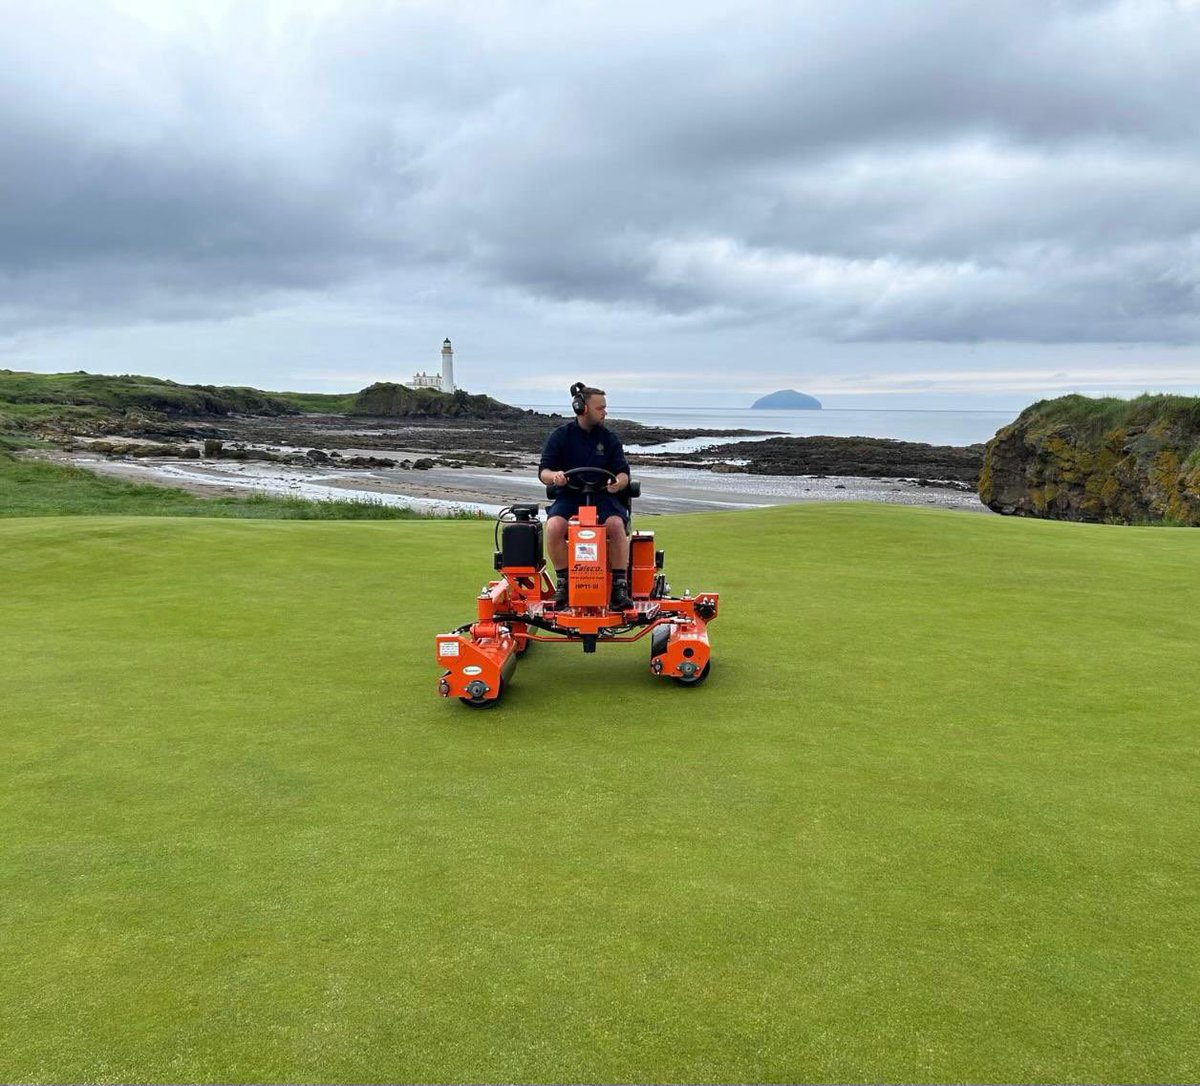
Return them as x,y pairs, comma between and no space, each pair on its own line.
142,450
871,457
365,462
1102,460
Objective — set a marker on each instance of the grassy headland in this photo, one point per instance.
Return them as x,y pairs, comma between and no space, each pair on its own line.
36,408
43,398
40,394
933,818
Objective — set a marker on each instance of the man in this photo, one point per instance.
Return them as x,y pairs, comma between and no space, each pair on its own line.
587,443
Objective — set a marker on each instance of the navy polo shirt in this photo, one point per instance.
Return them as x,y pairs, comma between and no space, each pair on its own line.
571,446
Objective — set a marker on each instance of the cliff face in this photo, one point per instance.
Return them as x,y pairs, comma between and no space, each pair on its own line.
1108,461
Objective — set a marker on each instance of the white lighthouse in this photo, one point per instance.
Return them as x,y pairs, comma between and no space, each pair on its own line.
442,383
447,366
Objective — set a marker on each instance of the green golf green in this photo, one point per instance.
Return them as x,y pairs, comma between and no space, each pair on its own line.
934,817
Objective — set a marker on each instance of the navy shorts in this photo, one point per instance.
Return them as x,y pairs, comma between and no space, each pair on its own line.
606,506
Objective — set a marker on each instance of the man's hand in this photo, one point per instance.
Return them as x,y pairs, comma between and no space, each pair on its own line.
556,478
620,483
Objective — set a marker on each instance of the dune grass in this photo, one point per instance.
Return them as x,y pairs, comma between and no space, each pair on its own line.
933,818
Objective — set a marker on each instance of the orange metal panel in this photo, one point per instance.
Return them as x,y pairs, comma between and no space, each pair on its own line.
588,555
466,661
641,561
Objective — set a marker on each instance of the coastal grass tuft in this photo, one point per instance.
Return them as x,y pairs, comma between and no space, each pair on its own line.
34,488
1094,417
932,818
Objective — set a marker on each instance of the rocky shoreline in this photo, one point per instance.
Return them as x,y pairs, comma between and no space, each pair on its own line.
509,443
456,437
866,457
482,464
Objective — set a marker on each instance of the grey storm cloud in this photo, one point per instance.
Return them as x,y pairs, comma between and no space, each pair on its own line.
917,171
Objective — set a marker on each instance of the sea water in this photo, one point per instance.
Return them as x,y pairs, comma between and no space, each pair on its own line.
931,427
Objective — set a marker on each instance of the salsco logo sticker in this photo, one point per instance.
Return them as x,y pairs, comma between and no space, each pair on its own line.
587,533
472,670
585,552
448,648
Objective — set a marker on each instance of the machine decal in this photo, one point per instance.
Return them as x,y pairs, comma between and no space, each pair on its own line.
585,552
448,648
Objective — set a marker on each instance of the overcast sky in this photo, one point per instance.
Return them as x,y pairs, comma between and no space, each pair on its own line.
882,204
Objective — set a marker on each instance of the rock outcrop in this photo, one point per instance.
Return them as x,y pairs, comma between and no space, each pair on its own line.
387,400
1103,460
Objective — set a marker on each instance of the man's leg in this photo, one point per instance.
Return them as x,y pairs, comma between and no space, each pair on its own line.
556,548
618,562
556,542
618,543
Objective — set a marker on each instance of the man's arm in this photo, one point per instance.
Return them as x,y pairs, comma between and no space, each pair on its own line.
618,465
548,470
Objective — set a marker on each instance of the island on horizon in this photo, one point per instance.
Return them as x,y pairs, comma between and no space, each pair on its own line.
788,398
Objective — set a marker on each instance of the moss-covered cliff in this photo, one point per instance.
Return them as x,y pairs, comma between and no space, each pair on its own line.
1108,460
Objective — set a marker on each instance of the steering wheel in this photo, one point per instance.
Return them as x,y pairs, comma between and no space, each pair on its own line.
592,486
601,476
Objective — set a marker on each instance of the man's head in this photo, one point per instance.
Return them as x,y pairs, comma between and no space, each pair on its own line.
595,407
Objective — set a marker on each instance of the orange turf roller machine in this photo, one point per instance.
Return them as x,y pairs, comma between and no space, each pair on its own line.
478,659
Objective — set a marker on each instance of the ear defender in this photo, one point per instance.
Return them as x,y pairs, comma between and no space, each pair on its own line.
578,403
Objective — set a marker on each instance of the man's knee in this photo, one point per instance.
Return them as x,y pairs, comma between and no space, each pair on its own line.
556,528
618,542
